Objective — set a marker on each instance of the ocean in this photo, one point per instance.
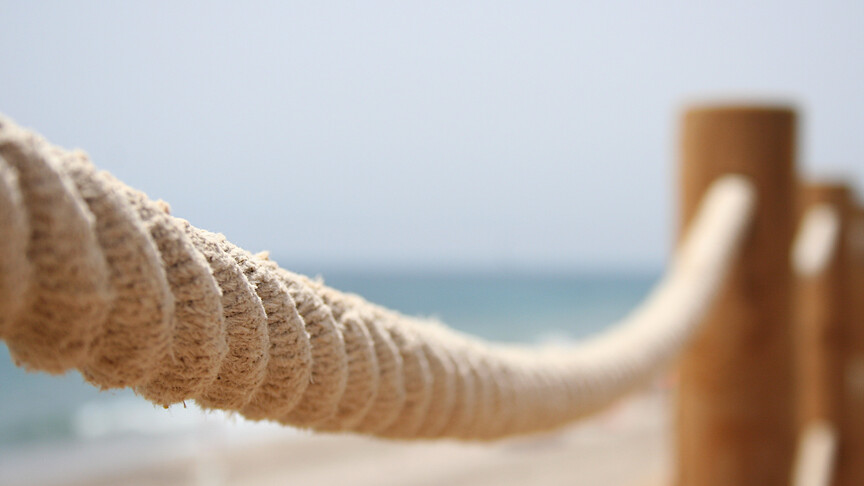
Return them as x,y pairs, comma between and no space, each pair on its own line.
38,410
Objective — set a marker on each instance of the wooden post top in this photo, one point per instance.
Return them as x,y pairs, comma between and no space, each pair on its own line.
740,108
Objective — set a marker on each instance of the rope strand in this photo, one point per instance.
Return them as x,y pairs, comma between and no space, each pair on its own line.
97,277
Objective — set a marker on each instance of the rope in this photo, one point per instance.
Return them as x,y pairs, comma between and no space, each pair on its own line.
817,448
816,241
95,276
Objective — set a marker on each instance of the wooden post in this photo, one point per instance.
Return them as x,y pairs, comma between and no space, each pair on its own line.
850,461
821,316
735,413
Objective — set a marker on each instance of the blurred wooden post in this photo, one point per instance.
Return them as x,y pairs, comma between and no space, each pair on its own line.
821,318
850,461
735,416
821,313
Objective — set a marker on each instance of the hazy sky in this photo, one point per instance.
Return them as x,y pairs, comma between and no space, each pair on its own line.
428,134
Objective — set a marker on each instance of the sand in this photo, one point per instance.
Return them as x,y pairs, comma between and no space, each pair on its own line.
625,445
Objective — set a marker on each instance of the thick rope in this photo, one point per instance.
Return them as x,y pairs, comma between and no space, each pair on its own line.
816,241
95,276
816,455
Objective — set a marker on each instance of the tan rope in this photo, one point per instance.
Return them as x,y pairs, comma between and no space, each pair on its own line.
15,270
143,305
97,277
248,364
816,240
816,455
68,297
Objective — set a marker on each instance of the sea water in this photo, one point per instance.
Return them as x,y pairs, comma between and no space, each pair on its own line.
38,410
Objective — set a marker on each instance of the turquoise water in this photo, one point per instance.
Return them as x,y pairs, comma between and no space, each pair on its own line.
36,408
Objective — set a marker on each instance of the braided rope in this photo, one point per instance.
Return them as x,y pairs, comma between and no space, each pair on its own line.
95,276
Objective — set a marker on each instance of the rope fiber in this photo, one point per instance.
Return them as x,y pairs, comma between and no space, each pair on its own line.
97,277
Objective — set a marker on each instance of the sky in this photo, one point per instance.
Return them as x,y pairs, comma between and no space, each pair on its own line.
426,135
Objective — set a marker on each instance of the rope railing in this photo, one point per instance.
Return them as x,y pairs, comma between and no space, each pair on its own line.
816,240
814,462
97,277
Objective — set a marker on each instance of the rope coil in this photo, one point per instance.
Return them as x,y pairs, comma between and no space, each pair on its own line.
95,276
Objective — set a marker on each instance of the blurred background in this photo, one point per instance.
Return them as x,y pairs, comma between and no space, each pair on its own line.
508,167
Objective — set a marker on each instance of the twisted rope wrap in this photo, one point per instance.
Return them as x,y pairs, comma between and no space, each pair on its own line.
14,266
245,367
69,292
143,305
97,277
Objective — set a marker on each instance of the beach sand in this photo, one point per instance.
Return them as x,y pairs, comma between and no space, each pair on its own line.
629,444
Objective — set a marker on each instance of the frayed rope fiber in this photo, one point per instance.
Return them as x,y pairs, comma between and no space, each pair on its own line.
97,277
